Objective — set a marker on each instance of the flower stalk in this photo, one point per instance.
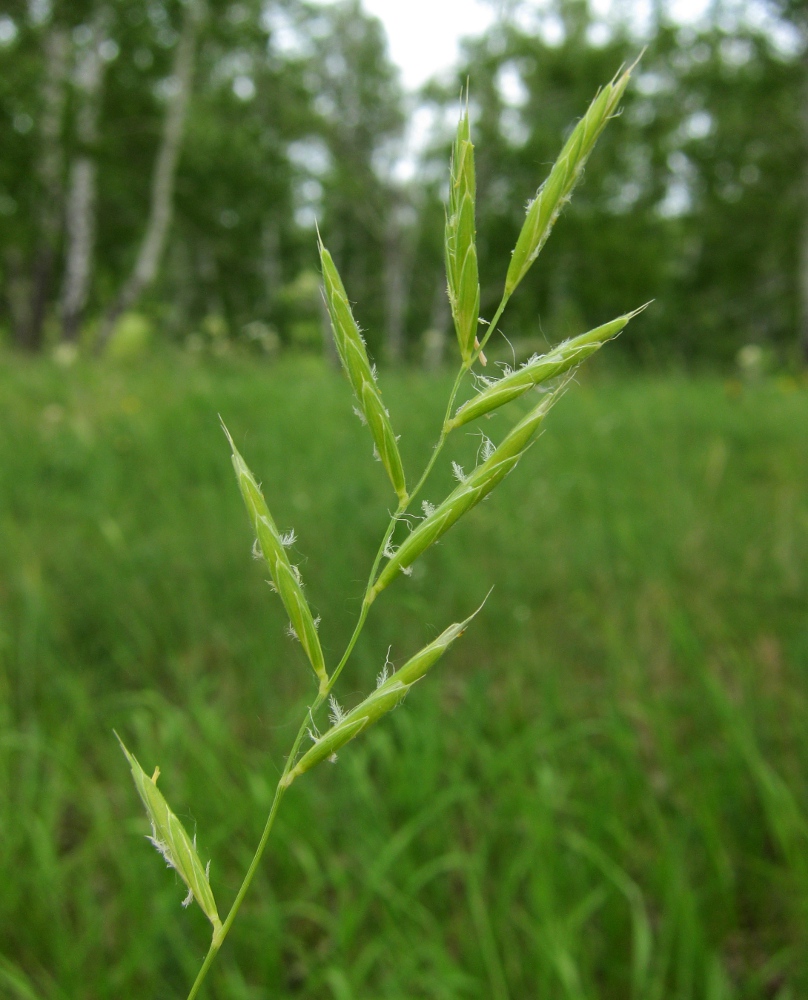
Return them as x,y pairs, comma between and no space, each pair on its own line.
551,372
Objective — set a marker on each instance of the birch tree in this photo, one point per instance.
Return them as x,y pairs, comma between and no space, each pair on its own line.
795,12
399,259
80,220
158,222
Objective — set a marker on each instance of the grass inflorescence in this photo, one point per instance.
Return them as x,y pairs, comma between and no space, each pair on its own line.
578,873
393,559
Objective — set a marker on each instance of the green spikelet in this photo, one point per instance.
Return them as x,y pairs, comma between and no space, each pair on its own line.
354,357
285,577
384,699
468,494
172,841
540,370
543,211
460,240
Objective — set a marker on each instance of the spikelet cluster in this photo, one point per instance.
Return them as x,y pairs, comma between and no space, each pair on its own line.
552,371
460,241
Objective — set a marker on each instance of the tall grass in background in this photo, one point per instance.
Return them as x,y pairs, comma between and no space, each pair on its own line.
605,788
584,810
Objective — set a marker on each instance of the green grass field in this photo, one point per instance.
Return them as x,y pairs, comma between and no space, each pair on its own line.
602,792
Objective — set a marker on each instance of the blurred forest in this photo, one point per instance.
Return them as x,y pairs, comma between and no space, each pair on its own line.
604,795
164,164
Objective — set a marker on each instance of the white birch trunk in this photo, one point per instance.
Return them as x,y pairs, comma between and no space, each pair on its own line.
400,243
80,218
434,341
395,292
802,276
165,170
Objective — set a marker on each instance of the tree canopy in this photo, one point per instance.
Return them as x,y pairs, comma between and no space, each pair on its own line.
697,197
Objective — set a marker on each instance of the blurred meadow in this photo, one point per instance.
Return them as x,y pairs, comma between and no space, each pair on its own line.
602,791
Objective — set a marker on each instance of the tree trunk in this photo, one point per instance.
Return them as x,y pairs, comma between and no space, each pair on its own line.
395,290
803,292
18,292
28,333
400,243
80,220
434,339
803,248
81,197
163,179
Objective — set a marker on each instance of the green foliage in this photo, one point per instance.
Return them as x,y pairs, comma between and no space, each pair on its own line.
572,808
704,171
686,173
131,337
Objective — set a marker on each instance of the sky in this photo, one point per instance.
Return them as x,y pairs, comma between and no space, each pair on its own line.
424,38
424,35
424,41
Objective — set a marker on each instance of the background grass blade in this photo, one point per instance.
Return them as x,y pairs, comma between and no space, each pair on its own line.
576,703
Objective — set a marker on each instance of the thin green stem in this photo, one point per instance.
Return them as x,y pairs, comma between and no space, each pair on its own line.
491,327
444,433
280,790
281,787
203,971
402,509
332,680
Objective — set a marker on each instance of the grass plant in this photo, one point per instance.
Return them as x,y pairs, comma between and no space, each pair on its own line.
605,797
607,787
168,834
549,373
